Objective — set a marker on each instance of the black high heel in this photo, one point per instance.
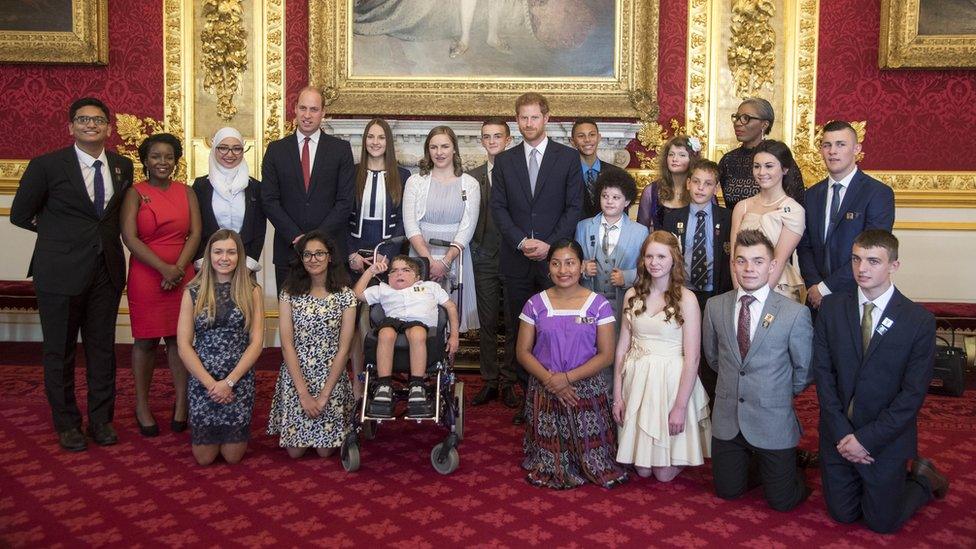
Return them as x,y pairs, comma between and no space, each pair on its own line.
147,430
177,426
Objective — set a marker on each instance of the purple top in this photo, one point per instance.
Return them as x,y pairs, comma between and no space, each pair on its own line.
565,338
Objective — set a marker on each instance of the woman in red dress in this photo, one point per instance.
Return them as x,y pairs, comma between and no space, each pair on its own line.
161,228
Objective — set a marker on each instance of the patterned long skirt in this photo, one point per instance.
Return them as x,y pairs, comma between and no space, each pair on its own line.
569,446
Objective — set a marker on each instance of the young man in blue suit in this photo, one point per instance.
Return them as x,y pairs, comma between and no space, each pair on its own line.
586,139
838,209
307,181
536,199
872,359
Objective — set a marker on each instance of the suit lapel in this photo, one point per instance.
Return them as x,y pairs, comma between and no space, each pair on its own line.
891,314
854,323
818,201
522,169
73,168
295,159
730,322
769,311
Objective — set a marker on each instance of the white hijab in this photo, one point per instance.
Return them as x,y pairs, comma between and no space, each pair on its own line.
227,181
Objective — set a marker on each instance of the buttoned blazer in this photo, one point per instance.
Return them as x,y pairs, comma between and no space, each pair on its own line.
52,201
754,395
677,222
393,218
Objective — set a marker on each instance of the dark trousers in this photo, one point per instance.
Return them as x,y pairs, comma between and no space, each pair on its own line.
518,290
281,273
884,493
708,376
488,288
782,482
93,313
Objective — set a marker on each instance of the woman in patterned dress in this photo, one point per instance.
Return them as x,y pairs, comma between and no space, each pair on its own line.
317,314
220,336
566,338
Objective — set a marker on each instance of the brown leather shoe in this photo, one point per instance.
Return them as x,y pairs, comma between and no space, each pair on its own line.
72,440
103,434
922,467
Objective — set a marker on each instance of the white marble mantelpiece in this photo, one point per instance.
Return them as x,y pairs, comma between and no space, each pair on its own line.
410,134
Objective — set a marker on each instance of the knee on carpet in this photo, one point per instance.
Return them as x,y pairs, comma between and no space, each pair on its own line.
880,524
844,516
729,494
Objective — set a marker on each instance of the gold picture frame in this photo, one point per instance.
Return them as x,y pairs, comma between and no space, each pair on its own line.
629,91
907,40
85,43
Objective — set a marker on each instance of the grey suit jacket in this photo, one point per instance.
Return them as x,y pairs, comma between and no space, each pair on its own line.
755,396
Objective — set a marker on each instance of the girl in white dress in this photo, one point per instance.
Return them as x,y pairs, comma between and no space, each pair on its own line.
658,401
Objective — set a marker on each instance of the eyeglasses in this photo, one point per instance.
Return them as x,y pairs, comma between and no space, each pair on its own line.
85,120
744,119
318,256
237,150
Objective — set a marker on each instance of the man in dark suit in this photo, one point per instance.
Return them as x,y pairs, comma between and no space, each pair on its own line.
495,137
586,138
70,198
536,199
307,183
873,356
838,209
705,245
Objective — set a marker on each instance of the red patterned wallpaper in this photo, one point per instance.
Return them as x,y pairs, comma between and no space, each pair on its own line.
296,51
917,119
34,98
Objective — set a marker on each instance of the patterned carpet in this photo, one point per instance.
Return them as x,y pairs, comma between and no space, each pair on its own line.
150,492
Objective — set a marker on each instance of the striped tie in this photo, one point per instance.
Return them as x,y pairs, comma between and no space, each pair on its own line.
699,259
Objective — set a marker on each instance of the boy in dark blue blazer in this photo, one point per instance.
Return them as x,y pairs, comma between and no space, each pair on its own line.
872,359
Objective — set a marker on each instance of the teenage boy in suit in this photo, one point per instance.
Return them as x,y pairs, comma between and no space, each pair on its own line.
585,136
873,356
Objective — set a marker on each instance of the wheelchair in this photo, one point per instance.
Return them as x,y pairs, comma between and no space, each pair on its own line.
439,381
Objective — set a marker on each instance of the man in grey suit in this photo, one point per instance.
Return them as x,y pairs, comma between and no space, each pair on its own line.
760,343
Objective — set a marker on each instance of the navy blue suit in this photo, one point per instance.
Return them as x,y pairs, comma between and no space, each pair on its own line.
868,204
887,383
549,214
294,211
393,223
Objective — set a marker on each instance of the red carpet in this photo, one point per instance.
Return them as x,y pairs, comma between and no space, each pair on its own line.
150,492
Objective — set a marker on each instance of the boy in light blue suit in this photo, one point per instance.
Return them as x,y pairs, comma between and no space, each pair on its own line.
611,241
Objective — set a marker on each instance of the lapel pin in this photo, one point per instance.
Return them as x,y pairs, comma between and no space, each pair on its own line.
767,320
881,330
887,322
727,246
849,215
681,226
786,209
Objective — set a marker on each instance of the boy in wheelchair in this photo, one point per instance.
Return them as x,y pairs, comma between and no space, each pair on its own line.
410,305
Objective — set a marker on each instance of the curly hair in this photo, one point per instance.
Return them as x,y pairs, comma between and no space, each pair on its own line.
676,279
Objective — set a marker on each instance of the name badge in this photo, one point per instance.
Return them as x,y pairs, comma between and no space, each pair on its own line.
586,320
887,322
419,289
767,320
681,226
850,215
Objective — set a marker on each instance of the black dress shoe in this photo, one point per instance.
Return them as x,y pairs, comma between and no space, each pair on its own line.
72,440
486,394
509,398
103,434
926,469
148,430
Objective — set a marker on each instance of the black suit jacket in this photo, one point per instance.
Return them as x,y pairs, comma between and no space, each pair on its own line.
677,221
325,206
255,224
486,239
549,215
591,204
394,219
888,382
52,201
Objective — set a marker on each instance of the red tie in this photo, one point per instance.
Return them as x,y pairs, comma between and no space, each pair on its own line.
745,319
306,164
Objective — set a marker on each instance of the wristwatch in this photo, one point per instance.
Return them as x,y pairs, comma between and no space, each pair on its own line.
230,382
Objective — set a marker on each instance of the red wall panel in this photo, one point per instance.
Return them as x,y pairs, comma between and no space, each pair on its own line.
34,99
296,52
917,119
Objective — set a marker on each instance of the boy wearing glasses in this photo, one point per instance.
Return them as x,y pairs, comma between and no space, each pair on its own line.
410,305
71,199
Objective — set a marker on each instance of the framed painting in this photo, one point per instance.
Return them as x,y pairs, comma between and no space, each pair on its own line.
474,57
934,34
54,31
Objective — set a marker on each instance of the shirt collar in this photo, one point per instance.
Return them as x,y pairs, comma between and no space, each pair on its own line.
491,165
880,302
846,182
88,159
761,294
541,147
314,138
585,167
695,208
603,221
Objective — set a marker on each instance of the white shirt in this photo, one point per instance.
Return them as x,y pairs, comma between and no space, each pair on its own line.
541,147
229,213
376,203
614,234
880,304
755,309
313,144
86,160
844,185
418,302
491,166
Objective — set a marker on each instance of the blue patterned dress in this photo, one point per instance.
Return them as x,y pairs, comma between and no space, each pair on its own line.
220,344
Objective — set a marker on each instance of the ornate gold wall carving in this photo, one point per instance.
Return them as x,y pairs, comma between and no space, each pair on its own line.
699,53
752,55
274,85
132,131
175,49
224,52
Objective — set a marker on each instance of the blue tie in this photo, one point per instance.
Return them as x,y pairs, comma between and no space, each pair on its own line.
99,188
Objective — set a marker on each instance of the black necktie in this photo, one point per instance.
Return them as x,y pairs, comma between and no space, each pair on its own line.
372,203
99,199
699,257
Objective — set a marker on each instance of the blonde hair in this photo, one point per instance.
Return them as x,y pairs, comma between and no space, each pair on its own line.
241,284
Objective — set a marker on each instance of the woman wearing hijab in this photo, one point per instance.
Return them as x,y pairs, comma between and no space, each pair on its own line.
229,198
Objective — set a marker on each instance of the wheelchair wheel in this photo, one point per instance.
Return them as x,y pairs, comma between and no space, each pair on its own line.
459,406
450,463
350,457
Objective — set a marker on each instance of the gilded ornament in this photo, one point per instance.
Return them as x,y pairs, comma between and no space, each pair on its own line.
752,52
133,131
274,12
224,55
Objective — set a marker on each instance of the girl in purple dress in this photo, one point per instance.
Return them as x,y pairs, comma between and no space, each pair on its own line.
566,338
